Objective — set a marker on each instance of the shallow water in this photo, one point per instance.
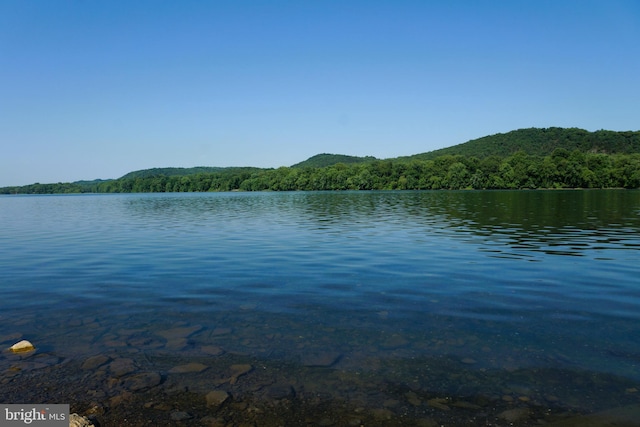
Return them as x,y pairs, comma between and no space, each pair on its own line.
362,296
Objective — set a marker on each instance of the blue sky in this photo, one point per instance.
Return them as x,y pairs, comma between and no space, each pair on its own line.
96,89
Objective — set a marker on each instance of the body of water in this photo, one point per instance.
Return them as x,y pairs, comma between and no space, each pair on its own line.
323,308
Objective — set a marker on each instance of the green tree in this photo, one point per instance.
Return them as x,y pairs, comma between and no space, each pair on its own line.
457,176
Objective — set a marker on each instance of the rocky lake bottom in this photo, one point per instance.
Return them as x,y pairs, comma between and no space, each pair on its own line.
244,370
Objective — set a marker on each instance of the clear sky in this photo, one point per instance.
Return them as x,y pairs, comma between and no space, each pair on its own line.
95,89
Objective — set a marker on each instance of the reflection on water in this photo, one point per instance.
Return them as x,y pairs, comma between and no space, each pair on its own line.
393,300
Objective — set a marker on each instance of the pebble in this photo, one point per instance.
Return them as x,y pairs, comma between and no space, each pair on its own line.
213,350
120,398
468,361
122,366
142,381
95,362
181,332
413,398
177,344
177,337
76,420
22,347
189,367
30,366
237,371
95,409
216,397
466,405
438,403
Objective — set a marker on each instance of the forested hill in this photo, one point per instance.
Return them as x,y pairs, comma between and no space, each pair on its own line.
532,141
542,142
146,173
324,160
525,158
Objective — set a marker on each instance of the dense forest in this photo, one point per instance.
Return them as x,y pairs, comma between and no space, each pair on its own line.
577,159
542,142
324,159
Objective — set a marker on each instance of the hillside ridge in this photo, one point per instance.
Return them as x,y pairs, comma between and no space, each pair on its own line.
542,142
532,141
524,158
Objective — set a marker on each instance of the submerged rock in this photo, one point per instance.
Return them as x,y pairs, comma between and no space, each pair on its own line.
29,366
142,381
321,358
122,366
413,398
22,347
237,371
189,367
280,391
216,398
94,362
212,350
438,403
177,338
76,420
220,331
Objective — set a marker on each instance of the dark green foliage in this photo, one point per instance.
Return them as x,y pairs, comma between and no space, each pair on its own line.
226,179
146,173
37,188
571,158
542,142
59,188
323,160
561,169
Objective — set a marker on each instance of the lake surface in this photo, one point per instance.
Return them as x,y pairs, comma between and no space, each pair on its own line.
393,303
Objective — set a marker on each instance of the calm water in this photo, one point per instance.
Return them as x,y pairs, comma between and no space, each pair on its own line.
489,283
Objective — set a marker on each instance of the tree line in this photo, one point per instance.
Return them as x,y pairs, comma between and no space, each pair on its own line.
560,169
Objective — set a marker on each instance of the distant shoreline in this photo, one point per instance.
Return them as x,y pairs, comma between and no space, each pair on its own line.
552,158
